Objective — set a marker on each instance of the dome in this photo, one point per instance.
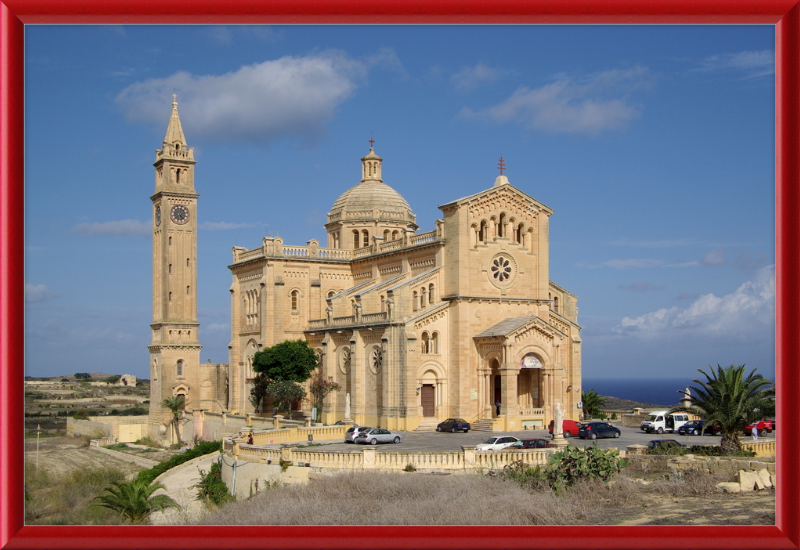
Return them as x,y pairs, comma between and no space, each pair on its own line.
371,200
369,195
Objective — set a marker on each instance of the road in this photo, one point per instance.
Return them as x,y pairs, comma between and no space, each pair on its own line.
445,441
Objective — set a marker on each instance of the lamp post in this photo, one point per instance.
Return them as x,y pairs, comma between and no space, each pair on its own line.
38,429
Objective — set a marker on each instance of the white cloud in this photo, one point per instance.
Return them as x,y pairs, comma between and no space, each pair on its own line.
469,78
216,226
753,64
131,228
714,258
597,103
292,96
744,313
38,293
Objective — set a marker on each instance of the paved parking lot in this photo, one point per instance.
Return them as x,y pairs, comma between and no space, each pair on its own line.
445,441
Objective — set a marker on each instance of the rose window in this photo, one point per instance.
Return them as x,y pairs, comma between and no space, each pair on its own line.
344,361
501,269
377,360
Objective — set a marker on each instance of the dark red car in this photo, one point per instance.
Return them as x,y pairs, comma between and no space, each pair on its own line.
530,444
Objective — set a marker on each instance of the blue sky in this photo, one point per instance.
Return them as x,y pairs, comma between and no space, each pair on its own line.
653,144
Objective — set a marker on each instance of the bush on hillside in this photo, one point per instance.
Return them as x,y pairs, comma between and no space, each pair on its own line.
573,464
203,448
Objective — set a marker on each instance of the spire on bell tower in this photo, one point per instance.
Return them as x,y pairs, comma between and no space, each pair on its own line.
371,165
174,137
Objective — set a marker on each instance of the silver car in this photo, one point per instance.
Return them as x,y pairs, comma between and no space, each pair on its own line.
373,436
353,431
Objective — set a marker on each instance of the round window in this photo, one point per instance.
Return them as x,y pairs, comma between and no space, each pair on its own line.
502,270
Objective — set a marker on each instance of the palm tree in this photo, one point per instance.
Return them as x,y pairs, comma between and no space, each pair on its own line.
133,500
175,405
732,399
592,403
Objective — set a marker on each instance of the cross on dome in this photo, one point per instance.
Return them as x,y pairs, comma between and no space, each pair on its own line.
371,142
501,166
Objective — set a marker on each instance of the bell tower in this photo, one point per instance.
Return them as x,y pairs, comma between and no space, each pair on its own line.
174,345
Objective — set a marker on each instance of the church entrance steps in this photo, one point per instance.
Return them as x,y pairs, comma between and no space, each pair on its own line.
427,425
483,425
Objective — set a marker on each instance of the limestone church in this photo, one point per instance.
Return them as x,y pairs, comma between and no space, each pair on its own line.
459,321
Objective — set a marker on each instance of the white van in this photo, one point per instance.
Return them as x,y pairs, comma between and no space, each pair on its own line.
661,422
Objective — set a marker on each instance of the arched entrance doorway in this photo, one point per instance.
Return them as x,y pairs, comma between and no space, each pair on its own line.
497,388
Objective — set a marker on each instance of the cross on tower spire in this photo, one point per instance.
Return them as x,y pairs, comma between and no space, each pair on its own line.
501,166
371,141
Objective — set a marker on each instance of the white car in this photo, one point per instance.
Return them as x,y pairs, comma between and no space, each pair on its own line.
496,443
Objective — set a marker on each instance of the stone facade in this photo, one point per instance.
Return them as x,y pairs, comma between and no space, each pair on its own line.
415,327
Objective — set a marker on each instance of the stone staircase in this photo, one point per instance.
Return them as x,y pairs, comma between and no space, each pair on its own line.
483,425
428,425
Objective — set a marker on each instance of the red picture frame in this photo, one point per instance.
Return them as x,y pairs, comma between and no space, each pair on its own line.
14,14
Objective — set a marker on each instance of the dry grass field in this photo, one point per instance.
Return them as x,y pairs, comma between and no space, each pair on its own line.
371,498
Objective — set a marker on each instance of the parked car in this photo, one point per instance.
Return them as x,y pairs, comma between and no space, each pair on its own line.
529,444
353,431
496,443
661,422
656,443
373,436
699,427
568,427
595,430
453,425
764,427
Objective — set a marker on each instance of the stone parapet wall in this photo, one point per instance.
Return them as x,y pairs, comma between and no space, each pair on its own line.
468,460
761,448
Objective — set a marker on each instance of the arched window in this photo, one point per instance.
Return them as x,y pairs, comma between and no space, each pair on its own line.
416,301
187,290
430,293
179,368
355,238
169,241
385,235
383,304
555,304
394,235
422,294
295,295
483,232
170,296
424,348
434,345
177,172
187,262
331,293
366,238
501,225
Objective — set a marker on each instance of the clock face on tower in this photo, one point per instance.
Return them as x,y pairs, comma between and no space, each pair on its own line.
179,214
158,215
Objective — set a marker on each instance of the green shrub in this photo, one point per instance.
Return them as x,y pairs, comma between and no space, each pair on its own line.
715,450
410,468
613,416
203,449
146,440
118,447
211,489
573,464
523,473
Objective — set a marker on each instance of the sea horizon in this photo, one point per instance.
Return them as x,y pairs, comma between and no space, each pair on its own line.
658,391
